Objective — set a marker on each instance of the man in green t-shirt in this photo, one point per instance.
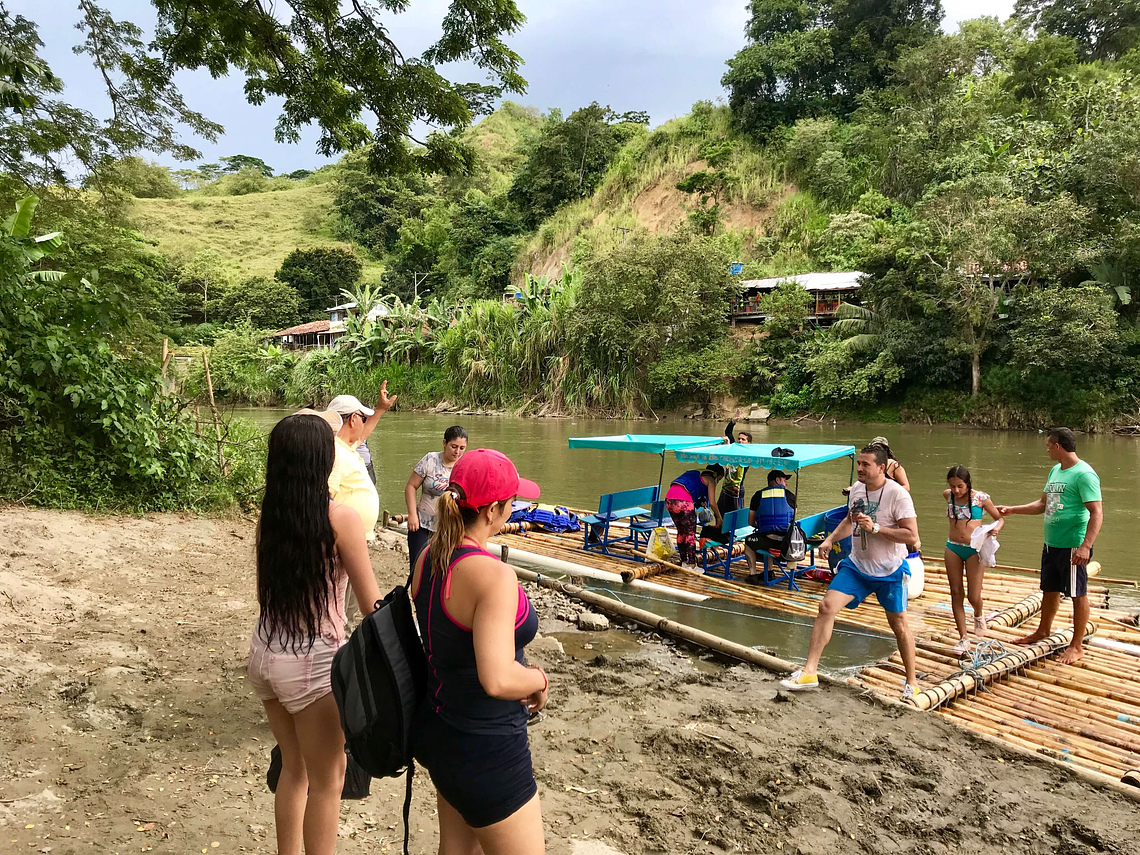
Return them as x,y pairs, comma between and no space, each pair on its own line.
1073,515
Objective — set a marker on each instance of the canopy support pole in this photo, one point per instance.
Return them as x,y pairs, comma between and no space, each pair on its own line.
661,476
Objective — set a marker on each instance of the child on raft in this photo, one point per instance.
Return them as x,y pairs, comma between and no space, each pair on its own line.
965,508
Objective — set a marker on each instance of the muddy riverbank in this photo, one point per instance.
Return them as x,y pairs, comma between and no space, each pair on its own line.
126,726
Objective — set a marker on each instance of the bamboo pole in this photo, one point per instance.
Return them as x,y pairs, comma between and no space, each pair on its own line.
1126,738
666,626
644,571
1006,568
950,689
166,355
1116,760
1018,612
214,411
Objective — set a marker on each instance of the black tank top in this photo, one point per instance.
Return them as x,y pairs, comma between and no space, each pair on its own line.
454,691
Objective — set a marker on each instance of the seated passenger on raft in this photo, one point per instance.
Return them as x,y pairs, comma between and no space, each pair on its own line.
770,512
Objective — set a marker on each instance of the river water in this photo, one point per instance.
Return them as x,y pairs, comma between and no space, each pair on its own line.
1010,466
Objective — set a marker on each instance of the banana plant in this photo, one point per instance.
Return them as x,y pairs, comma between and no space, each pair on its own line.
18,226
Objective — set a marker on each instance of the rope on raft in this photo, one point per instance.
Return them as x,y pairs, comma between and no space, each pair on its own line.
985,653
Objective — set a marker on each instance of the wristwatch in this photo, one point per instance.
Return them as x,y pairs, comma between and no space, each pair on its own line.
875,528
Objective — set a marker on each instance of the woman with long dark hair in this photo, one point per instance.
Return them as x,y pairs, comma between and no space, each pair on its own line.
430,476
475,621
965,508
308,550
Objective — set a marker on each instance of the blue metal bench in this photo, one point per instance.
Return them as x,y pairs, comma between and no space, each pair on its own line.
625,504
642,526
813,525
736,526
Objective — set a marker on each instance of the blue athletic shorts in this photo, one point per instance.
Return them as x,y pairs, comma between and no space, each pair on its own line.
889,590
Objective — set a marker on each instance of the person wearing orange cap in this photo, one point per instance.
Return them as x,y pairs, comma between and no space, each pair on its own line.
475,621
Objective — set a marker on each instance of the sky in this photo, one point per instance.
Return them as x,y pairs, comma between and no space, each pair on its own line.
654,55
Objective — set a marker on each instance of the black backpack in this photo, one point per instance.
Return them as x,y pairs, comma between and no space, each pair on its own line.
357,782
379,680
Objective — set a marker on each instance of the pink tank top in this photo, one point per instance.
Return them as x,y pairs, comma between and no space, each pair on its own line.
331,624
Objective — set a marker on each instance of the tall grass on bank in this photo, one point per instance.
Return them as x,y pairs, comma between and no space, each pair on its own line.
323,373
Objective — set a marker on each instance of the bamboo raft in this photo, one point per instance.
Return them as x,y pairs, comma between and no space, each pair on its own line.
1086,714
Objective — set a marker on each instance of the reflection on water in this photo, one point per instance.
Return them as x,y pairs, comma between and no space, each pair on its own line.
781,634
1011,466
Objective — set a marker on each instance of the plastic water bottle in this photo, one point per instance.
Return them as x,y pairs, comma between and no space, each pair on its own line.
917,579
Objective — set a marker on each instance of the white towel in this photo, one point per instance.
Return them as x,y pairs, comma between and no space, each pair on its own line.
987,547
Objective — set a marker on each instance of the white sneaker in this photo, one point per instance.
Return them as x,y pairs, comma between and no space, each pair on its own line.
980,627
800,682
908,691
963,646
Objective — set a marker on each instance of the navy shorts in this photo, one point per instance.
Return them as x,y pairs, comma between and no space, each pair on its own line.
1059,575
889,590
486,777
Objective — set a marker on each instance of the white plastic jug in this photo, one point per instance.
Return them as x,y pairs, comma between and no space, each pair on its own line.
917,579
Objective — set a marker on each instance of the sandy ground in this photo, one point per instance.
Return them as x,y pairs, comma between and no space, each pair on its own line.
126,726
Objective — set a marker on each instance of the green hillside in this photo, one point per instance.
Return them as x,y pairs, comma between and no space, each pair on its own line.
253,233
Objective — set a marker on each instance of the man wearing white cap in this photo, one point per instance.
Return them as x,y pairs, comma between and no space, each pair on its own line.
349,482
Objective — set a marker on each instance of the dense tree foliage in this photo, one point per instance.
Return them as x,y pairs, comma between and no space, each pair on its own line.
1102,29
331,67
319,275
371,207
83,420
141,179
814,57
568,158
266,304
240,162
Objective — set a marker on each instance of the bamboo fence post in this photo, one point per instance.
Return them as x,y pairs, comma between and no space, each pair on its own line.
214,412
167,353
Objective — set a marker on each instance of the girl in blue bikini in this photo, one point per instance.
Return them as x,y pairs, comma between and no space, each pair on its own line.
965,508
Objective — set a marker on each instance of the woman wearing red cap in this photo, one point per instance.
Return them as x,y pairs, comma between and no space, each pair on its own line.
475,621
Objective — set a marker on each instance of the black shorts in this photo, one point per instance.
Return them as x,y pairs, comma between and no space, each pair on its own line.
484,777
766,540
1060,576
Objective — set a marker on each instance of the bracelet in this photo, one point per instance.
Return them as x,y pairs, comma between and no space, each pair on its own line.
875,529
545,680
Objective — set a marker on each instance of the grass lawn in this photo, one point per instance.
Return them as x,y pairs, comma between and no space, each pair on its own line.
253,233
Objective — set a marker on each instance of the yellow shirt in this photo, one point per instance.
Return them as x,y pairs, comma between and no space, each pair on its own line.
349,484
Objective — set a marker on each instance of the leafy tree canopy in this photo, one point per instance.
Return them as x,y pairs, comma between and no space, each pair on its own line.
1102,29
814,57
238,162
372,207
82,420
267,304
333,66
568,159
142,179
649,295
319,275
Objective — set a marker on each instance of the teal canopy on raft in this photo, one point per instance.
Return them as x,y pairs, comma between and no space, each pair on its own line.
650,443
757,455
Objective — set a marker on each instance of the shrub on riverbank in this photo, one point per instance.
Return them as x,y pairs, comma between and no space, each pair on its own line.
84,421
